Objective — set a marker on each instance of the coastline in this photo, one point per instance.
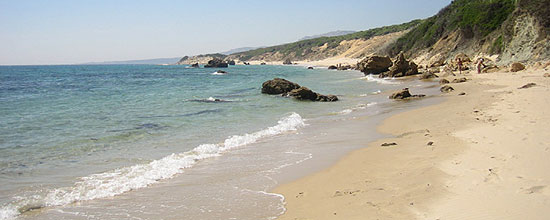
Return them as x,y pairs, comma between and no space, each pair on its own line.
477,154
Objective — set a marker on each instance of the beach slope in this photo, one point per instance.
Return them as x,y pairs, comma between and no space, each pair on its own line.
482,155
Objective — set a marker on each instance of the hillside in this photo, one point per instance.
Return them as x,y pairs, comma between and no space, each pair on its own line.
511,30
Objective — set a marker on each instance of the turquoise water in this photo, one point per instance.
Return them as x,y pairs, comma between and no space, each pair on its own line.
81,133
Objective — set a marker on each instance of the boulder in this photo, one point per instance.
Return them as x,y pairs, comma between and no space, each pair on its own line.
303,93
515,67
231,62
463,57
332,67
404,93
278,86
436,61
262,63
374,65
401,67
428,75
287,61
546,75
490,69
446,89
195,65
460,80
309,67
444,81
344,67
216,63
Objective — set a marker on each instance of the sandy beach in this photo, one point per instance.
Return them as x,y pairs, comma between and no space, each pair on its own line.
482,155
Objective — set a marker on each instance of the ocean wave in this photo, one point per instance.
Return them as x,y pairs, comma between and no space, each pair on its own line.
125,179
209,100
373,78
355,108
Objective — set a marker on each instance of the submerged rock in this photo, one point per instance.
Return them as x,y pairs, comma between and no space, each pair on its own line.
374,65
278,86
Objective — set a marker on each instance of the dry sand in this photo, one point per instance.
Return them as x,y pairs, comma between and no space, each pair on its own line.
490,159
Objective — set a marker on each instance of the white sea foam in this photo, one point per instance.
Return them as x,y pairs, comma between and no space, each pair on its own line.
142,175
372,78
217,73
355,108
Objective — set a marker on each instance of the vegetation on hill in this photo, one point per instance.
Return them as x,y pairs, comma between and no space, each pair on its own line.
302,49
474,18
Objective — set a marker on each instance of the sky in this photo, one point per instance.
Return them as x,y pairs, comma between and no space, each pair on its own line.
34,32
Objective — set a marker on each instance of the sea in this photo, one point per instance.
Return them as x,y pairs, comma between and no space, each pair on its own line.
173,142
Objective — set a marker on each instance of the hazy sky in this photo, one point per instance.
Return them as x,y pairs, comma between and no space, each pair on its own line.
76,31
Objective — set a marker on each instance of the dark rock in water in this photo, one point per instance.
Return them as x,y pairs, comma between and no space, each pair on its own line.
216,63
332,67
310,68
278,86
231,62
303,93
428,75
221,71
374,65
401,67
444,81
262,64
246,63
446,89
405,94
287,88
287,62
388,144
528,85
195,65
460,80
344,67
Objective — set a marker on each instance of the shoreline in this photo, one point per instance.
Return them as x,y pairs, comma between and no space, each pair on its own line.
415,179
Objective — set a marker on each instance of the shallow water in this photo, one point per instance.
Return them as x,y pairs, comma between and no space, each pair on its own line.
168,142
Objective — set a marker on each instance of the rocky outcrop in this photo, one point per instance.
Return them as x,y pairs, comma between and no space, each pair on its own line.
195,65
287,62
278,86
374,65
404,94
516,67
332,67
286,88
401,67
344,67
216,63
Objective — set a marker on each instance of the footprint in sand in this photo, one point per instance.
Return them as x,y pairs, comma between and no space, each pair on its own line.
534,189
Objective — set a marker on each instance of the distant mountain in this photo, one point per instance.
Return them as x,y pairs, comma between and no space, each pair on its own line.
238,50
329,34
146,61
